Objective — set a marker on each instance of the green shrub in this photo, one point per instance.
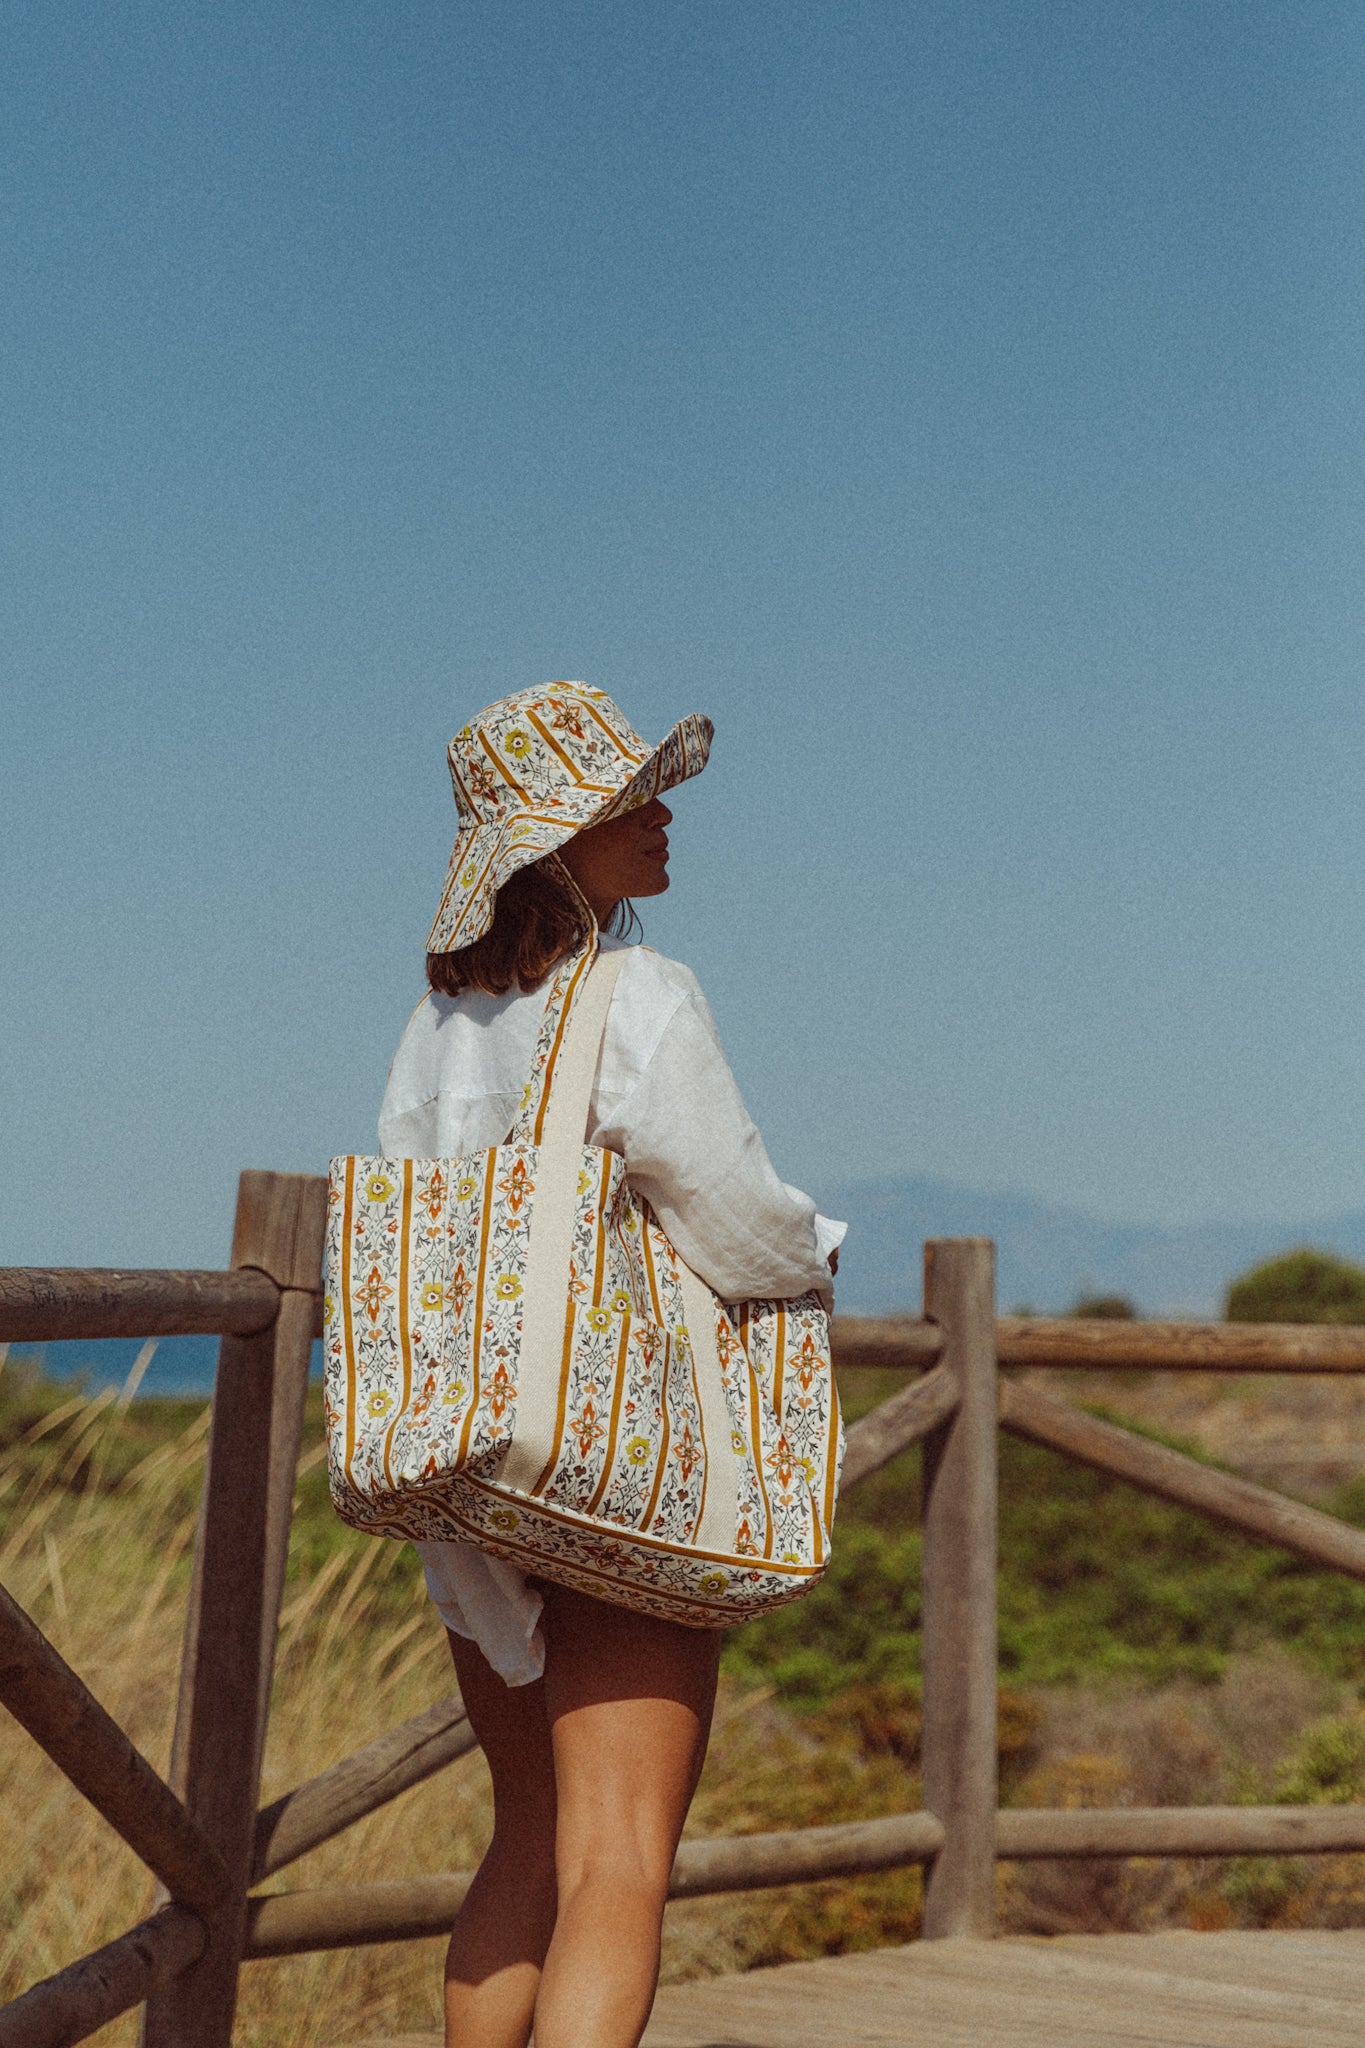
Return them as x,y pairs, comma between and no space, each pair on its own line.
1303,1286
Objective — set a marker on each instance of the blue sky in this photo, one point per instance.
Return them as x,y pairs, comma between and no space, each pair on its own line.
962,405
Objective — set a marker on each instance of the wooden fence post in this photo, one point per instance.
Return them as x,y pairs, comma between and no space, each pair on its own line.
239,1564
959,1596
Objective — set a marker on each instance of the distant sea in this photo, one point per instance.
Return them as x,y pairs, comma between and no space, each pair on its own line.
1046,1256
182,1366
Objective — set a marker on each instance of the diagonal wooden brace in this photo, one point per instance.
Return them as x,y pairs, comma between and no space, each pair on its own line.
59,1711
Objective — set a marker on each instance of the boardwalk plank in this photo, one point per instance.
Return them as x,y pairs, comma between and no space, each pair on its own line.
1248,2010
1170,1990
1331,1965
974,1993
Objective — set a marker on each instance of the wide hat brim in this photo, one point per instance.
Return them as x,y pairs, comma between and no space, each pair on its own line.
486,855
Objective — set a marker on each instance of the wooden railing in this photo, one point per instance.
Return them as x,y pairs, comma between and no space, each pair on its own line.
201,1834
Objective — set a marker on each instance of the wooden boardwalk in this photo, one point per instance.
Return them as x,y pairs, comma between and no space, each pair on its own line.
1079,1991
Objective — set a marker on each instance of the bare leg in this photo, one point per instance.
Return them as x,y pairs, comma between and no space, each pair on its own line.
629,1703
504,1926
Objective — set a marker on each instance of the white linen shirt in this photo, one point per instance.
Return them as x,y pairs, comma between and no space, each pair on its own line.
665,1099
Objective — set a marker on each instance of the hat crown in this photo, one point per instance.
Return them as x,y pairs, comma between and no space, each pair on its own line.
561,750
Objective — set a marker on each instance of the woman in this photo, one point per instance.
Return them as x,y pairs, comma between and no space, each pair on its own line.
594,1719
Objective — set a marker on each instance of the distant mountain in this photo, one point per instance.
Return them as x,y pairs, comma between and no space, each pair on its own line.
1048,1254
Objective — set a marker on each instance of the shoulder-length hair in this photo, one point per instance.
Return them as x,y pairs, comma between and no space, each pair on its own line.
536,921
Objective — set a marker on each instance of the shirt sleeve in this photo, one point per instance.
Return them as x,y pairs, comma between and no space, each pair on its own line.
692,1150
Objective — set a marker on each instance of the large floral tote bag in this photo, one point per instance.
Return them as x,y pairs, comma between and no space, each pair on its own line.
517,1356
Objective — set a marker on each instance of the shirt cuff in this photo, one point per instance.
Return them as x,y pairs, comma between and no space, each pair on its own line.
829,1235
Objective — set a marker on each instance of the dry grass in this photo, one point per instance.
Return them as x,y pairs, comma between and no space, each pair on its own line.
99,1529
1302,1432
103,1567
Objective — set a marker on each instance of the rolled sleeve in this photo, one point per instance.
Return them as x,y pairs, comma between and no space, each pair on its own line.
692,1150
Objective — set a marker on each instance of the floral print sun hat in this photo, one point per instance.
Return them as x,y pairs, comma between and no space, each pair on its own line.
532,770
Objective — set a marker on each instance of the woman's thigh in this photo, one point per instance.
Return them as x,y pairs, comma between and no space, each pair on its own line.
629,1700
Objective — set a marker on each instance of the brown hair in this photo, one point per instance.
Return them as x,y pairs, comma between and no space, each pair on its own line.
536,921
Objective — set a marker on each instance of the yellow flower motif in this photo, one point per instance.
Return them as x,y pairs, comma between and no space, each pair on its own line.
637,1450
807,1465
469,877
737,1443
431,1297
379,1402
505,1519
597,1318
517,744
621,1302
507,1286
790,1557
584,1180
465,1188
453,1394
329,1308
378,1188
713,1582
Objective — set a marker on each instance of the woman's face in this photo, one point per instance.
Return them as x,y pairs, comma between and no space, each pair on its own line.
628,856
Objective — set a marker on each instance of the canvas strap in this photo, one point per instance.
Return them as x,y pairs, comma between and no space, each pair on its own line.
554,1199
546,1320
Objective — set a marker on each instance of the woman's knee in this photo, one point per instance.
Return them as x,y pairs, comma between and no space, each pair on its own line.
629,1870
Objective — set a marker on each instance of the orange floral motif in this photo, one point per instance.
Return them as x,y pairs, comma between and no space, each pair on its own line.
587,1427
687,1451
808,1362
500,1394
517,1186
565,716
433,1193
372,1296
459,1290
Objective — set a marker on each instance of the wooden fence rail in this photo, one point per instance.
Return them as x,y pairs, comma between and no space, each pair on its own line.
201,1834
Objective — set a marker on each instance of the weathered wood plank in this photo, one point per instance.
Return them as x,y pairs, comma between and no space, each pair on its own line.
350,1916
1331,1964
1098,1344
1058,1832
879,1342
958,1595
1238,1503
1093,1991
230,1631
88,1301
345,1916
79,2000
1038,1969
895,1425
320,1808
962,1994
731,1863
59,1711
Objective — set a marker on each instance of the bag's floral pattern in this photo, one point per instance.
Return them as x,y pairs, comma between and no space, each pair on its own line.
425,1296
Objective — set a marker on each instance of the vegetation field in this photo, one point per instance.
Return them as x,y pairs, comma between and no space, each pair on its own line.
1146,1658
